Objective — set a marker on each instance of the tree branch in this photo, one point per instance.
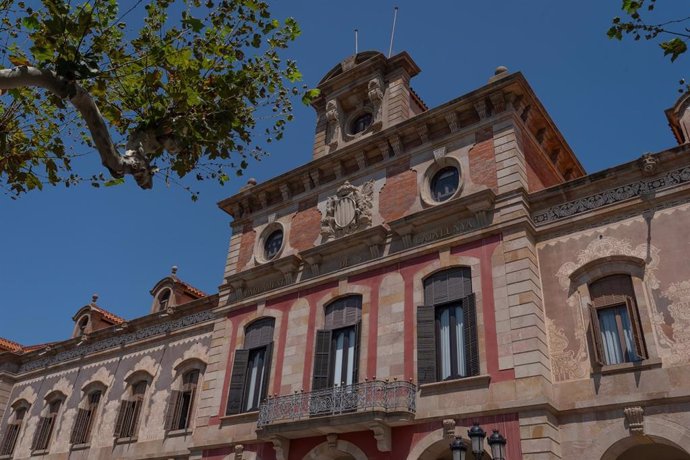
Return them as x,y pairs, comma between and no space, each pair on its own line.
134,162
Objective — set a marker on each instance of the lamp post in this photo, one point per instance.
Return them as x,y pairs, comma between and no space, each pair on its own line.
458,448
477,435
497,444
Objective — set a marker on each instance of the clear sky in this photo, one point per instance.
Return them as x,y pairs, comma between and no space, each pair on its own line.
60,246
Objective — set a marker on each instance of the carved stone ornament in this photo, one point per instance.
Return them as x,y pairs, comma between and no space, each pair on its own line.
348,211
375,94
239,452
281,446
449,428
648,164
635,418
333,118
382,434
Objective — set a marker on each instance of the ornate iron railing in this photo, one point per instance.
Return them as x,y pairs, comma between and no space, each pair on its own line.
369,396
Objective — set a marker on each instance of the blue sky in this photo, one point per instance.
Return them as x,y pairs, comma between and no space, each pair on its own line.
61,245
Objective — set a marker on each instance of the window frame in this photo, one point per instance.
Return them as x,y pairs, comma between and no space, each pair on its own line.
187,394
13,428
253,341
46,424
433,182
83,424
429,365
130,411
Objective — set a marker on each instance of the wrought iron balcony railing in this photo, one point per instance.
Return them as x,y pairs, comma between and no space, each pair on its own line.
370,396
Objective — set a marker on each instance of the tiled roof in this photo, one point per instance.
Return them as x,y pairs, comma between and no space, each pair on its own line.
30,348
108,316
190,289
8,345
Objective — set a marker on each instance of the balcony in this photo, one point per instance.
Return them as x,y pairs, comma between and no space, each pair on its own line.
338,409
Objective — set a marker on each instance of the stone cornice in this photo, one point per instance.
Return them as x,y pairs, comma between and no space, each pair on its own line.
129,333
511,95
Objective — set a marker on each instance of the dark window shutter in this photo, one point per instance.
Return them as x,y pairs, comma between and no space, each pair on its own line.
236,392
426,345
10,439
267,371
358,338
469,311
120,421
38,434
136,413
638,337
259,333
459,283
595,336
172,413
448,285
322,358
80,427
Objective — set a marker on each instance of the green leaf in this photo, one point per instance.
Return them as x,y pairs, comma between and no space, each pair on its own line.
674,47
193,23
310,95
114,182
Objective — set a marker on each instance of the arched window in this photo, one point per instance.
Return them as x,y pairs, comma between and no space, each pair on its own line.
447,328
86,414
83,323
361,123
14,426
251,368
337,346
127,423
46,423
181,403
164,299
615,322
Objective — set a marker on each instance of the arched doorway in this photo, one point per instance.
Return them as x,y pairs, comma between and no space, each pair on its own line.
440,450
644,448
341,450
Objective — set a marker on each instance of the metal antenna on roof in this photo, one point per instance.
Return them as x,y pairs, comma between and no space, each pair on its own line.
356,41
395,17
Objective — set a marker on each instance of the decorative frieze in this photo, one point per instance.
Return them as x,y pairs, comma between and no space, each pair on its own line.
118,340
611,196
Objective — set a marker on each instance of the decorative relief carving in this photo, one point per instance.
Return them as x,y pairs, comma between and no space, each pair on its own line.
382,434
119,340
679,309
635,418
648,164
570,359
281,446
452,120
332,440
611,196
239,452
566,364
375,94
348,211
333,118
449,428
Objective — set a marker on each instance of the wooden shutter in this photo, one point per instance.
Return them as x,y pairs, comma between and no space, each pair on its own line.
80,426
358,338
172,412
37,435
9,439
638,336
322,360
469,311
236,392
267,372
120,421
595,337
426,344
42,436
136,413
451,284
259,333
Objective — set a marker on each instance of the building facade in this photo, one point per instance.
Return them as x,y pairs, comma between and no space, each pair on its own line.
428,269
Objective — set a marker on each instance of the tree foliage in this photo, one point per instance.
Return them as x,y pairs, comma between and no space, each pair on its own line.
673,34
157,87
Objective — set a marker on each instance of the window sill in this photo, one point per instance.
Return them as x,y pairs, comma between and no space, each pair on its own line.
39,452
127,440
5,457
178,433
628,367
466,383
82,446
252,416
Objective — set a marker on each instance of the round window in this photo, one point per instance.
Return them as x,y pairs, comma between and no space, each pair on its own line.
361,123
445,183
273,244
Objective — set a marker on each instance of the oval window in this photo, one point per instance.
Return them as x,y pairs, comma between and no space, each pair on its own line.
273,244
444,184
361,123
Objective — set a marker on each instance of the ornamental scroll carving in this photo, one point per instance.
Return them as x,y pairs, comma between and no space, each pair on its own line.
348,211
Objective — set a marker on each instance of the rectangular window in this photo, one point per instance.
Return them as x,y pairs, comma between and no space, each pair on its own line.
450,336
343,351
9,440
181,403
255,378
81,432
249,380
127,423
616,335
45,428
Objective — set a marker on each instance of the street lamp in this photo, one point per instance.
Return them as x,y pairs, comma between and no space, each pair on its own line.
458,448
477,436
498,446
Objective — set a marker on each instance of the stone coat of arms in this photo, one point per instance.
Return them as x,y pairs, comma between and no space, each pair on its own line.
348,211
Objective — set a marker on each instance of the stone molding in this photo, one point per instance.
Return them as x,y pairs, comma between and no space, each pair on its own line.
118,340
611,196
